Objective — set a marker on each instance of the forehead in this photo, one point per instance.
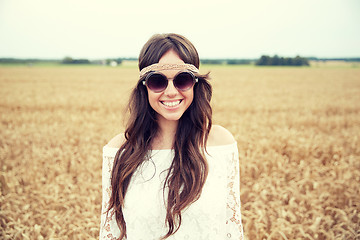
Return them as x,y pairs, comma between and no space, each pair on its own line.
170,72
171,57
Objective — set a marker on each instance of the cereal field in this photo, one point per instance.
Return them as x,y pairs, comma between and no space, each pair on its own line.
298,134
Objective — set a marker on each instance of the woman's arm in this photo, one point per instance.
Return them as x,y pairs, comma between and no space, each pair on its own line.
221,136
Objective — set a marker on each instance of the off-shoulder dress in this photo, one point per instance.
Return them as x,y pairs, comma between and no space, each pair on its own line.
214,216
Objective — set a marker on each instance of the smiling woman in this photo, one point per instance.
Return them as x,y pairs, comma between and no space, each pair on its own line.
172,174
170,104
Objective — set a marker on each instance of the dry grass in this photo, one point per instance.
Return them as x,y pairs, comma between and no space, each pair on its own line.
297,129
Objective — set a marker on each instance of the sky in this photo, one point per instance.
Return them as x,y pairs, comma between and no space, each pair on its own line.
98,29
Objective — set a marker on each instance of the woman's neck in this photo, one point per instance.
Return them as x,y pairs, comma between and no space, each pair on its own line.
165,137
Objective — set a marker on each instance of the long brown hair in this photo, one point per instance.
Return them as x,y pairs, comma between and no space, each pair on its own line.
188,171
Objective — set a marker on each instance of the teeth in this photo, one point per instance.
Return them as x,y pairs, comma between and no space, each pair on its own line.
171,104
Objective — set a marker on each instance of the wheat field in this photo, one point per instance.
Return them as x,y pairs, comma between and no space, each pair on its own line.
297,131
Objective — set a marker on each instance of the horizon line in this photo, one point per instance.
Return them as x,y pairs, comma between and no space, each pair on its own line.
204,58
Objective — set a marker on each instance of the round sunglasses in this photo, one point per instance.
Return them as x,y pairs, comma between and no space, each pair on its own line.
158,82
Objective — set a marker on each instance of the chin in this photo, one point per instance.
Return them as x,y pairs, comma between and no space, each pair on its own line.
170,117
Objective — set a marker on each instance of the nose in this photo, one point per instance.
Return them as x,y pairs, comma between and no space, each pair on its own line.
170,90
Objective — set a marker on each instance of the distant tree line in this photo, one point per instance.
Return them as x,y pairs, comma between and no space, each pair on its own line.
334,59
25,61
110,60
69,60
226,61
281,61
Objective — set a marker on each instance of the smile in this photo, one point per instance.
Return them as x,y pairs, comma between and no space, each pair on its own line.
171,104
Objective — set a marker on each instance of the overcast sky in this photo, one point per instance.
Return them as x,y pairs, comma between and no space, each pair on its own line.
96,29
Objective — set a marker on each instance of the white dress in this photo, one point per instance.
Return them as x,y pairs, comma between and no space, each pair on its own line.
215,215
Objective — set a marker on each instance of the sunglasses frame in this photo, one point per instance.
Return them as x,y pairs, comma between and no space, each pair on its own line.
195,80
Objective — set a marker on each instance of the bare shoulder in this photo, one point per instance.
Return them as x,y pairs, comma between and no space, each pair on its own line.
220,136
116,141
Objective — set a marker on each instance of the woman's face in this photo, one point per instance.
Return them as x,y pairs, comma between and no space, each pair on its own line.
171,103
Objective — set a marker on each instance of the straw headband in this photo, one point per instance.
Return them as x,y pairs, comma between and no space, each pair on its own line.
159,66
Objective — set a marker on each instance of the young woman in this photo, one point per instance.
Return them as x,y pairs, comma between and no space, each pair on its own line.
172,174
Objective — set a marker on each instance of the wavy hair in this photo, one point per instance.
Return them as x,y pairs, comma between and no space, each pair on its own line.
188,171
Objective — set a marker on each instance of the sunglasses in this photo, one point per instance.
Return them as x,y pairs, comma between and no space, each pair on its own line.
158,82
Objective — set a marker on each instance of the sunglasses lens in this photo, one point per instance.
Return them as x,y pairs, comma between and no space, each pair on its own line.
157,82
184,81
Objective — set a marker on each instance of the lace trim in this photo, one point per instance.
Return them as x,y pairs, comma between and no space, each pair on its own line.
233,201
107,227
107,219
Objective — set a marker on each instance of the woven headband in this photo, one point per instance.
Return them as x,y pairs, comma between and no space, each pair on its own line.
159,66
